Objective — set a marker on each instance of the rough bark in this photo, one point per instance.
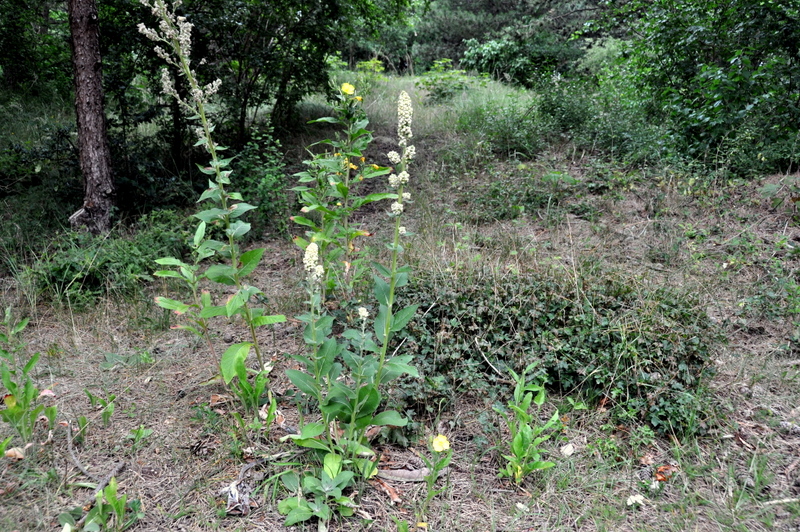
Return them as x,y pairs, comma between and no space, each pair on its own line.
93,149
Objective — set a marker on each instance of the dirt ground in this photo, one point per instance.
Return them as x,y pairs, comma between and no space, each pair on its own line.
744,475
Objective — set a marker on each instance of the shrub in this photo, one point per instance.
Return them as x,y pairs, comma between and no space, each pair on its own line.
443,82
79,267
512,125
262,175
645,351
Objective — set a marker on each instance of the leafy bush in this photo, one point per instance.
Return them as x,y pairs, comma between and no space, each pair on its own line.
443,82
645,351
260,168
512,126
79,267
517,60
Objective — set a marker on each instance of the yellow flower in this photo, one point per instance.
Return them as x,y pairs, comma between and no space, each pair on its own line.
440,443
359,98
354,167
348,89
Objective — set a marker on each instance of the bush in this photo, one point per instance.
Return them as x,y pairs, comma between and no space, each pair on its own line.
643,351
80,267
512,125
519,60
443,82
260,176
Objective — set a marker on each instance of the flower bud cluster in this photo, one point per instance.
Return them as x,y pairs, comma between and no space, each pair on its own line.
311,262
176,32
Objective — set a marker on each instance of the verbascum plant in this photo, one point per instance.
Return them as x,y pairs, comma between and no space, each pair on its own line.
225,211
346,375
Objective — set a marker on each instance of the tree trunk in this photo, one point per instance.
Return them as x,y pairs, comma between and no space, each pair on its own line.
94,153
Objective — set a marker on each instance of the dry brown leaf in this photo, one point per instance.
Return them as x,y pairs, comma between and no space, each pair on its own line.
15,453
390,491
646,459
218,399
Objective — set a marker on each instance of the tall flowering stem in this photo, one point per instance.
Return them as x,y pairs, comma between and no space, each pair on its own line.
173,38
398,182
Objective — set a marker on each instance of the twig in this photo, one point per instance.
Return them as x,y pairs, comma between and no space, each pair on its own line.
790,363
263,460
72,455
782,501
503,375
100,487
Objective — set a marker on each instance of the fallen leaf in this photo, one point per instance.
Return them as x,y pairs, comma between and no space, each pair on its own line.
665,472
568,450
646,459
46,393
15,453
635,499
389,490
218,399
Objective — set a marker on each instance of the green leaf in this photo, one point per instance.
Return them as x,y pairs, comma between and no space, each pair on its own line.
170,261
300,220
390,417
402,317
250,260
299,514
380,323
381,290
237,229
233,360
213,311
211,215
221,273
332,465
171,304
312,430
199,234
240,208
268,320
304,382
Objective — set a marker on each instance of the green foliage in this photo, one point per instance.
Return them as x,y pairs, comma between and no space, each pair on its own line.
443,82
79,267
325,490
507,125
521,192
262,175
527,433
106,405
721,71
647,350
519,60
22,400
111,512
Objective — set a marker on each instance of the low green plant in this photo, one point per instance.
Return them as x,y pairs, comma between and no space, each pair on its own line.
138,436
105,404
596,332
439,448
21,398
77,268
111,512
263,177
319,494
526,431
443,82
224,213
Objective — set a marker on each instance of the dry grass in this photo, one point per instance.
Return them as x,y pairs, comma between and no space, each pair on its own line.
727,480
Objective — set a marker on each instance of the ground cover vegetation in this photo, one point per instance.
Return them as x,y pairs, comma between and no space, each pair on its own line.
437,265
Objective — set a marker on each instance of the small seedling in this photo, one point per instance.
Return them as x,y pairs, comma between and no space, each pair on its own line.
526,436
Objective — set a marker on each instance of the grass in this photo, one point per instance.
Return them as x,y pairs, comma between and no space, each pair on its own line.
718,242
